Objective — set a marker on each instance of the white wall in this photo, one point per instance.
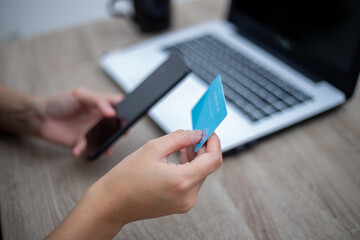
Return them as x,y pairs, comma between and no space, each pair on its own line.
27,18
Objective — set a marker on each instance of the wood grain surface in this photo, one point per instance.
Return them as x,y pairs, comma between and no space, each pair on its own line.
302,183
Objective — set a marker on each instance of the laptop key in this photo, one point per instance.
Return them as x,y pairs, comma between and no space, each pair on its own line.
251,118
291,101
269,109
257,114
249,108
280,105
270,98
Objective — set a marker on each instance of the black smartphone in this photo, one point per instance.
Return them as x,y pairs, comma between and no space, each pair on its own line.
135,105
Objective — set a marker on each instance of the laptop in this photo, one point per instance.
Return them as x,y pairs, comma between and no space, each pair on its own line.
280,62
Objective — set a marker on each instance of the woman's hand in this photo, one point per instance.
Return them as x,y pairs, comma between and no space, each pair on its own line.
155,187
144,185
65,118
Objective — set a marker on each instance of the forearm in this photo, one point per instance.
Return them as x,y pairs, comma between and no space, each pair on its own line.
19,113
89,219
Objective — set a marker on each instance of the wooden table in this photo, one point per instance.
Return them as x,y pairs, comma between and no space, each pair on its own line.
303,183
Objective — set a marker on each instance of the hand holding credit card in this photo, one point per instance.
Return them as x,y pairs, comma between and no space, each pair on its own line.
209,111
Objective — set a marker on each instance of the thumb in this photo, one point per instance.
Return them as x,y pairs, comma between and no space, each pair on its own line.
177,140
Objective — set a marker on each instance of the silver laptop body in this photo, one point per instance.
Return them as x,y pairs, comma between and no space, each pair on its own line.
130,65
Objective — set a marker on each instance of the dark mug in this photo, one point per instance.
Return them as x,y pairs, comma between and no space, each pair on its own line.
150,15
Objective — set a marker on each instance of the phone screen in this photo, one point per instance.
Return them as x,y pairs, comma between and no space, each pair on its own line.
135,105
102,132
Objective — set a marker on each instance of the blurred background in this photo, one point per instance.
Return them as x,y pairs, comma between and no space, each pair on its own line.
29,18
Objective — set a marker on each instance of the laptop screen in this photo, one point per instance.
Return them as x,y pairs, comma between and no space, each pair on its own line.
319,38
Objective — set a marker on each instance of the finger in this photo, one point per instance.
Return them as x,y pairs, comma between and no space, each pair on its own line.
94,99
213,144
177,140
114,99
191,153
79,147
183,156
109,151
205,164
106,108
187,154
202,150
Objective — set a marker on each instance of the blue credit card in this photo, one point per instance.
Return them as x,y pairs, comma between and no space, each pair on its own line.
209,111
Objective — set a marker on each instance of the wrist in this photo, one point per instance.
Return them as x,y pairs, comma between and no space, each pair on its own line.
105,207
34,113
20,113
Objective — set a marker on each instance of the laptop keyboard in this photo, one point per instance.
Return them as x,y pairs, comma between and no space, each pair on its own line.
255,91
